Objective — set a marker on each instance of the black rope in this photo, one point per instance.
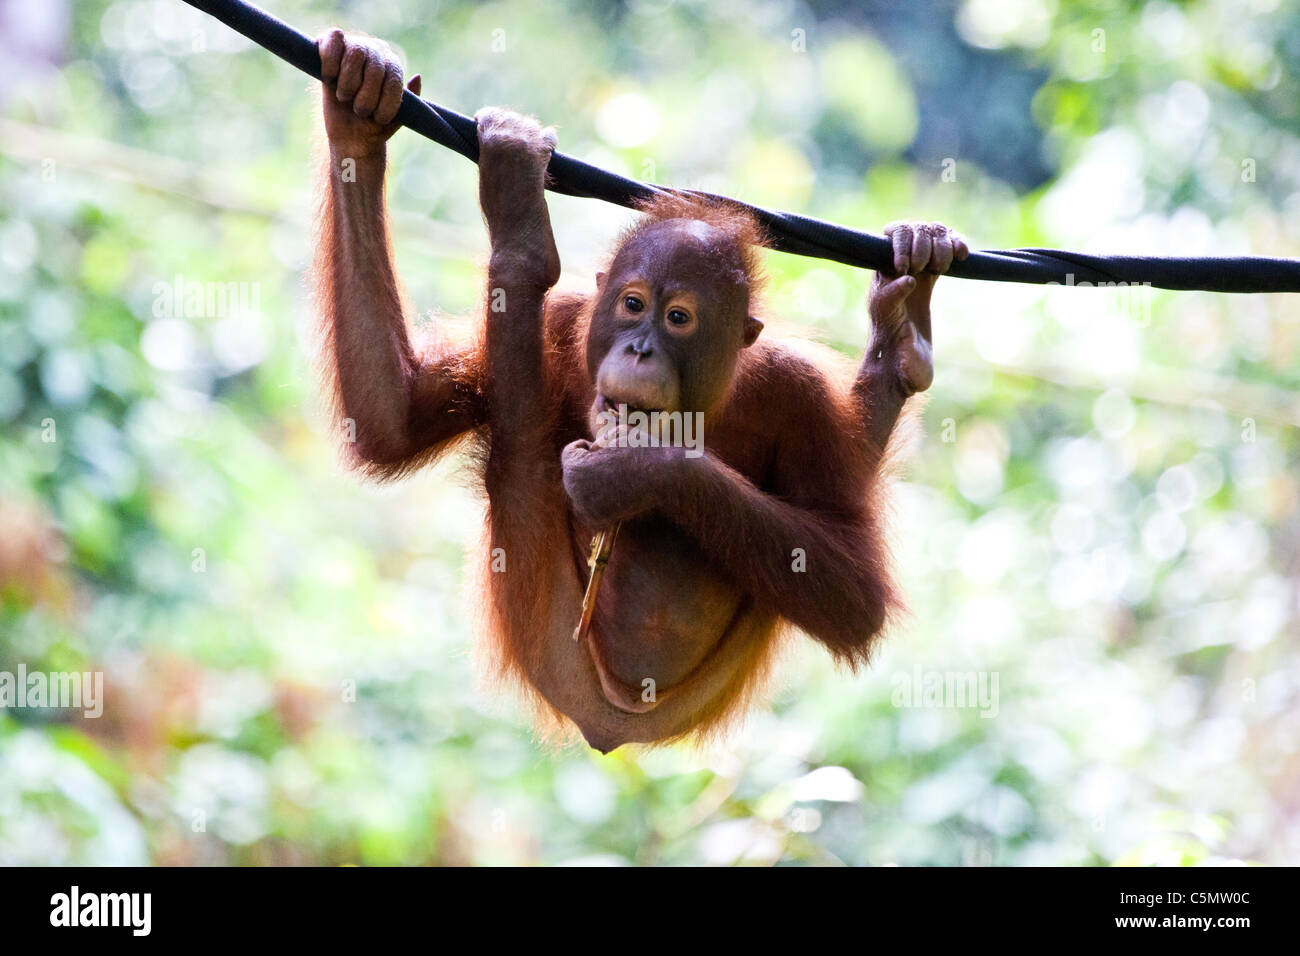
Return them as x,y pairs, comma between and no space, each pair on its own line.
800,235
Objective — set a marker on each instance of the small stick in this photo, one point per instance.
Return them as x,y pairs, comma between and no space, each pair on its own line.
601,547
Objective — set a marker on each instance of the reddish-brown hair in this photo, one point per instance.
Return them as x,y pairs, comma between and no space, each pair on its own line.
736,222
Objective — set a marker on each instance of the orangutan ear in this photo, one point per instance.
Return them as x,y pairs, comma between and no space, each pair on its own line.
752,328
600,282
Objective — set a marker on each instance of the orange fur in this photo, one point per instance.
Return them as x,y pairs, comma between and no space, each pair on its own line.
447,383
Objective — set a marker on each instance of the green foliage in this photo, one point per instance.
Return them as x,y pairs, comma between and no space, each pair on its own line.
1101,513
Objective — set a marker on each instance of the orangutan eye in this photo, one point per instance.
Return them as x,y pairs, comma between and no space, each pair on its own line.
678,317
633,304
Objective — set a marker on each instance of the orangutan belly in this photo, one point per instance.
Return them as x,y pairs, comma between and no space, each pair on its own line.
661,608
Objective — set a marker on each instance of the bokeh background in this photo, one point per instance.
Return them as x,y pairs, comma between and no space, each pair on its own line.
1102,511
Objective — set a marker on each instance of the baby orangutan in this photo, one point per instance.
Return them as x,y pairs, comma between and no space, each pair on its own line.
773,521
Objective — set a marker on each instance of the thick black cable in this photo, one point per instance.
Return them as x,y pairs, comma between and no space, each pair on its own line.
788,232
